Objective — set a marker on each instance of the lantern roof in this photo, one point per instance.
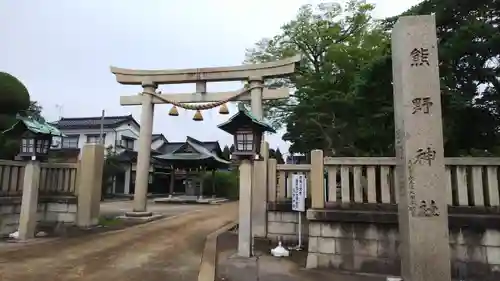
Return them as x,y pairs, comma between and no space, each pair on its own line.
244,118
36,126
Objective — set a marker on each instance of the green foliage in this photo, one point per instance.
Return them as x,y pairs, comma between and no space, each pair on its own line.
14,96
335,41
343,92
226,184
279,156
109,222
226,153
469,53
111,168
9,145
272,153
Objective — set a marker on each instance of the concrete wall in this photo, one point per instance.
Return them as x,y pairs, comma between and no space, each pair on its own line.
49,211
374,248
285,225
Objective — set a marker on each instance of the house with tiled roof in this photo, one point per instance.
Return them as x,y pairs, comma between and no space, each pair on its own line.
121,133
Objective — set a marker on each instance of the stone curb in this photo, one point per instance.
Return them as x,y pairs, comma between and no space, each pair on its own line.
209,257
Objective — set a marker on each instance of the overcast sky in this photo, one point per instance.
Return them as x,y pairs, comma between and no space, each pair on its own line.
62,50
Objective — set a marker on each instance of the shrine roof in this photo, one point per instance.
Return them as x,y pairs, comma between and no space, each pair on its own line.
231,124
35,126
193,151
170,147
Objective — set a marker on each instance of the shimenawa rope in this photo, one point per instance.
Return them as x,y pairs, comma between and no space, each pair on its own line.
203,106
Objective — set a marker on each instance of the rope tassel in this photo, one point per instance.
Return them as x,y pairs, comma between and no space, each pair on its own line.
223,109
173,111
197,116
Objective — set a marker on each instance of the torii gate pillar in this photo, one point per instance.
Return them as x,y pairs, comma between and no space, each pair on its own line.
144,154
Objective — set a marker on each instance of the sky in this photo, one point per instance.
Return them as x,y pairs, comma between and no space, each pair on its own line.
62,50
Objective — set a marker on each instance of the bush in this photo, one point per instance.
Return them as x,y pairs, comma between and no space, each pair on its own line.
111,168
14,96
226,184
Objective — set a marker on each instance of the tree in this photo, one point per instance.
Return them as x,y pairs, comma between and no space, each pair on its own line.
9,145
335,42
272,153
343,100
34,110
279,156
14,96
469,53
111,168
226,153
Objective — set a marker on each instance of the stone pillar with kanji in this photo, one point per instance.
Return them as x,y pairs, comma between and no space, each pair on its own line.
423,213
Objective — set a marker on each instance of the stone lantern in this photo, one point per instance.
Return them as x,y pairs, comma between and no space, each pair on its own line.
36,137
247,131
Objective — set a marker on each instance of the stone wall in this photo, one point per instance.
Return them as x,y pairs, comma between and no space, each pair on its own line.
370,244
50,210
283,223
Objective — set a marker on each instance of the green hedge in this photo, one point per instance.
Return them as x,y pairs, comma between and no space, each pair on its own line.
14,96
226,184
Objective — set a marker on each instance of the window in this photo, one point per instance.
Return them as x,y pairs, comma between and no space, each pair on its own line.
244,140
70,142
95,138
128,143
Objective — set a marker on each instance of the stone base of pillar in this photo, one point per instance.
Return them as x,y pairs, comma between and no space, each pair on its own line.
141,216
138,214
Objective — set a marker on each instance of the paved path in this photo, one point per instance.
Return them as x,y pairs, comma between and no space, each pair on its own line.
168,249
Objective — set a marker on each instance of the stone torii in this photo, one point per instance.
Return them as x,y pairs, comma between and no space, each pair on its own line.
255,74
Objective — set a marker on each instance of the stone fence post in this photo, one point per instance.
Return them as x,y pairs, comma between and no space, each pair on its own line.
90,184
317,179
272,166
259,199
29,203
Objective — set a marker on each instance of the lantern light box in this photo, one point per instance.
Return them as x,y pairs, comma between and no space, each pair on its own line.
247,131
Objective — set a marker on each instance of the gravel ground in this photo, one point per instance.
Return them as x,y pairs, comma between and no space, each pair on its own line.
167,249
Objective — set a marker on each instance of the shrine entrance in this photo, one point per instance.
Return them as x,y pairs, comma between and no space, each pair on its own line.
256,92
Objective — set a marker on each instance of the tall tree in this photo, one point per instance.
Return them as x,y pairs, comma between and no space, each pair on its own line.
279,156
14,99
469,54
335,41
272,153
226,153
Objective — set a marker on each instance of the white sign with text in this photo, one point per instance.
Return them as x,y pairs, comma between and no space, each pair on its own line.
299,189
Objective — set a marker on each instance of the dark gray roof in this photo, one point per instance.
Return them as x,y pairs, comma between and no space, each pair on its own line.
212,146
131,156
155,137
93,122
193,151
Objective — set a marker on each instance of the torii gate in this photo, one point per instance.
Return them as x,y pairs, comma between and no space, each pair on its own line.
255,74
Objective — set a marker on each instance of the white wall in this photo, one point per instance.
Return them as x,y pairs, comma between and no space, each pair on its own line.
108,140
112,135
